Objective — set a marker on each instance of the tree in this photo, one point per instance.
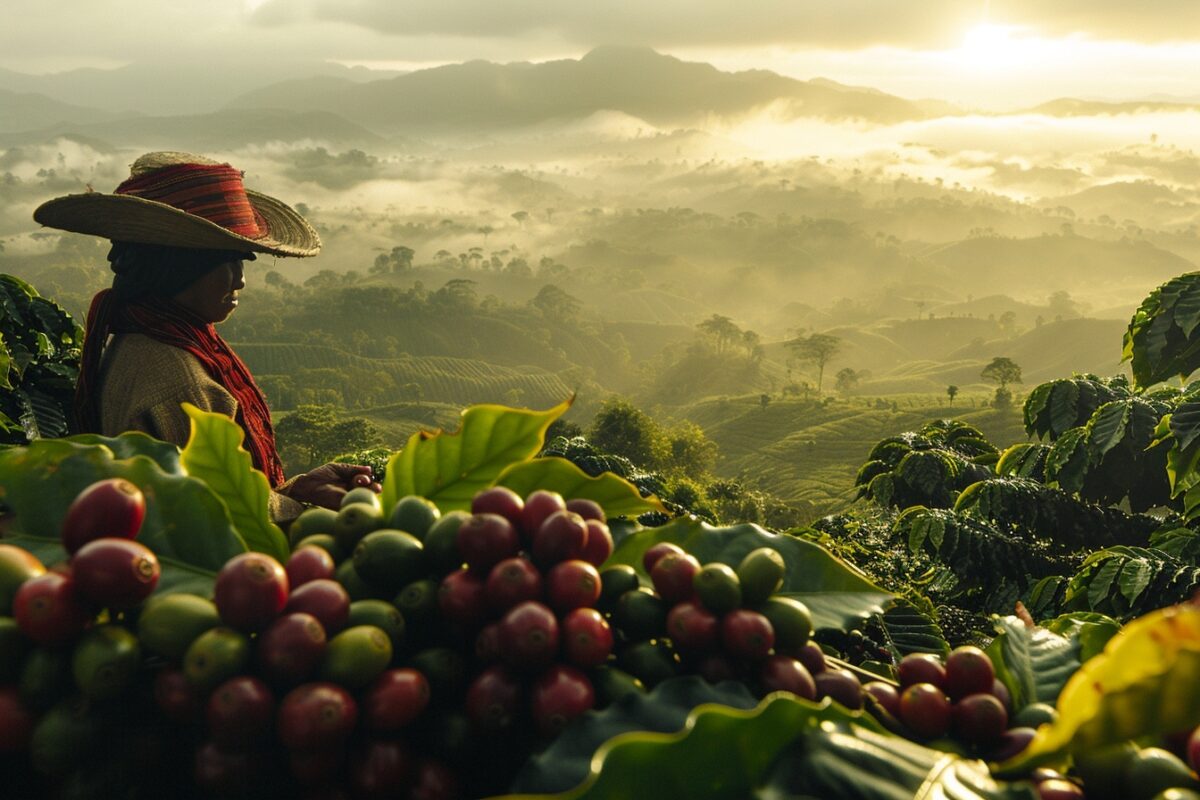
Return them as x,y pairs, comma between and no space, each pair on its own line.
622,429
1008,322
722,329
764,400
817,348
691,453
315,434
555,303
520,217
398,260
952,392
847,381
1002,371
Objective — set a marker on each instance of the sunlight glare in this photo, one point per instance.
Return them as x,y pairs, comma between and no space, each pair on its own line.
992,47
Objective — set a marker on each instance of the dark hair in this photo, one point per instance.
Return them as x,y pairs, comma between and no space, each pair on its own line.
145,270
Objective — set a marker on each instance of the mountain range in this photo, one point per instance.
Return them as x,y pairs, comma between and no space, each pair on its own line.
475,98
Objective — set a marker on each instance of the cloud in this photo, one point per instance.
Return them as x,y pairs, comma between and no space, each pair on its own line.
685,23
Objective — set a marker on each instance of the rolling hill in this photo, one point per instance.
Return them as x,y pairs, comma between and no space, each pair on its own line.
660,89
807,453
29,111
219,130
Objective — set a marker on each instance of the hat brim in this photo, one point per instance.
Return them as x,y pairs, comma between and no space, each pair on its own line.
125,218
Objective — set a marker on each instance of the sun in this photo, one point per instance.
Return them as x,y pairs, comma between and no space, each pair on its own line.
989,46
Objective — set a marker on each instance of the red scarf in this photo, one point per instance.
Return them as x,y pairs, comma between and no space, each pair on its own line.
170,323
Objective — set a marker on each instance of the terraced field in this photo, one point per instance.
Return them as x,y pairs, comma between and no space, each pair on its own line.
814,463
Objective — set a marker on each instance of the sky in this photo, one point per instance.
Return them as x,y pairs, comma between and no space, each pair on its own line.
988,54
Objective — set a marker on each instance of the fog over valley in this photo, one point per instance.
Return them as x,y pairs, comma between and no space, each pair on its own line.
625,220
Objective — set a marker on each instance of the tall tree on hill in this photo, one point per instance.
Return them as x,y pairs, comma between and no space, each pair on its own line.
1002,371
952,392
722,329
818,348
555,303
847,381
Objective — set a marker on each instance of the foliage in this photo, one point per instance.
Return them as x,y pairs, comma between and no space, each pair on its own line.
1054,408
1113,457
785,747
39,364
1038,512
1141,684
1125,582
1025,460
567,762
992,568
374,457
214,454
1033,662
1002,370
817,348
1161,342
187,524
928,467
835,592
622,429
579,451
316,433
614,494
449,468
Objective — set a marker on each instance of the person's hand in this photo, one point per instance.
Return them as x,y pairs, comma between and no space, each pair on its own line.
327,484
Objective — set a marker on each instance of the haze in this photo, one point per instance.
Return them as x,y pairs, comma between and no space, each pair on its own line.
1014,176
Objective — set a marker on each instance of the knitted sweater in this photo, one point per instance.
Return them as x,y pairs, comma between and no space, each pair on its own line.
142,384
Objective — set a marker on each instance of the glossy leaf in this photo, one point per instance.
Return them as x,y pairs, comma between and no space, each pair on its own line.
1034,663
1160,340
1144,683
835,592
136,443
617,496
186,524
567,762
1090,629
215,455
449,468
785,747
907,630
719,752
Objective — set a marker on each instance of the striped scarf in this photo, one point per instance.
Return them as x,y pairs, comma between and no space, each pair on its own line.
170,323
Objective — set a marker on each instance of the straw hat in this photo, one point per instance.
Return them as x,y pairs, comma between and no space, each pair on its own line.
183,200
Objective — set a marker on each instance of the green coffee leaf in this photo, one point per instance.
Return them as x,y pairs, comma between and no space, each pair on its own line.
214,454
449,468
186,524
1142,684
1034,663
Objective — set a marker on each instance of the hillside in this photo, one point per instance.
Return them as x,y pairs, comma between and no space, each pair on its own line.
660,89
1144,200
175,86
28,110
993,264
808,454
219,130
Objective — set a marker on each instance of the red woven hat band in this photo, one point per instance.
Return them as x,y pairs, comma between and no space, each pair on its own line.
214,192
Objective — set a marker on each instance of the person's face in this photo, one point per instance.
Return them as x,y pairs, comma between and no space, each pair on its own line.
214,296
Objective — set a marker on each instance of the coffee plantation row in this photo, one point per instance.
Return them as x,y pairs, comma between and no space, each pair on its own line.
495,622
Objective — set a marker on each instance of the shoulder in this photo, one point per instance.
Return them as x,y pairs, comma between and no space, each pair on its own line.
146,371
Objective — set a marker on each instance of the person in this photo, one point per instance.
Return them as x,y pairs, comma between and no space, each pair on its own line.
182,227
